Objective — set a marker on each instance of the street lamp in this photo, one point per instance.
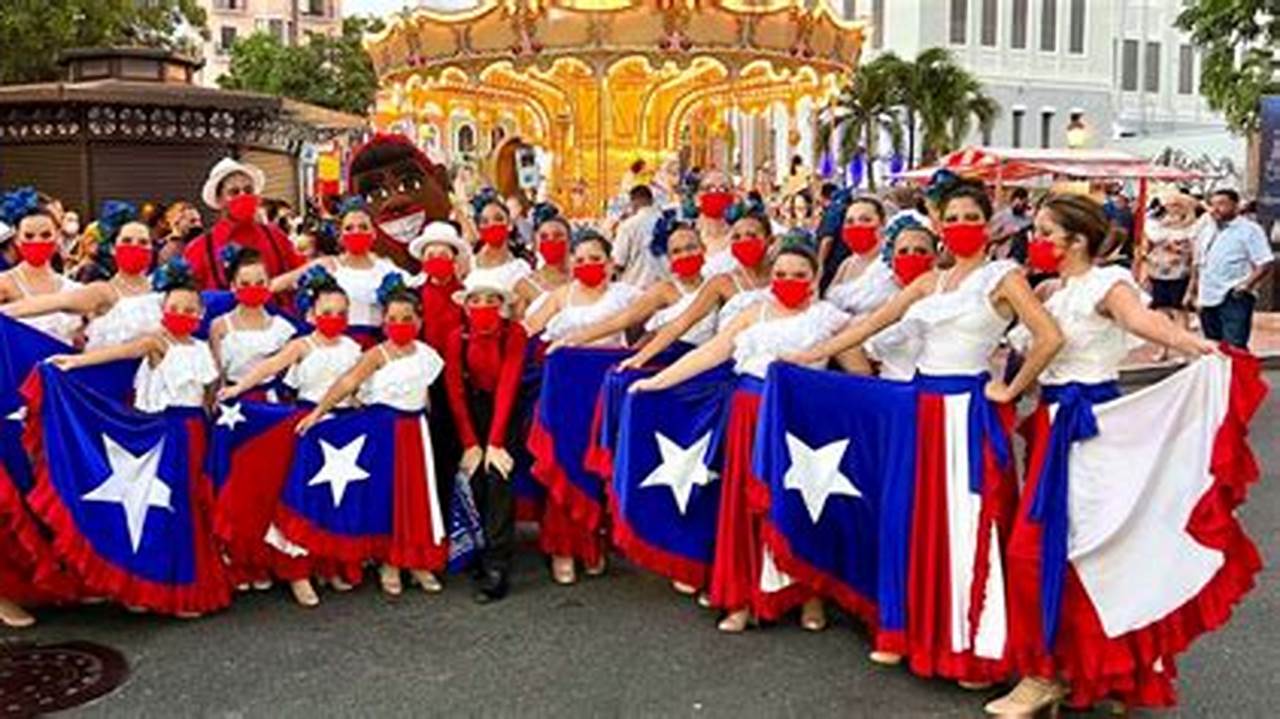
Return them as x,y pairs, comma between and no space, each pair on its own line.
1077,131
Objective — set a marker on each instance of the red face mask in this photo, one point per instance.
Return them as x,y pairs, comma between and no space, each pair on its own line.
133,259
553,251
331,325
791,292
688,266
37,254
438,268
715,204
255,296
591,274
909,267
965,239
748,251
357,243
494,235
400,333
243,208
1042,255
484,319
178,324
860,239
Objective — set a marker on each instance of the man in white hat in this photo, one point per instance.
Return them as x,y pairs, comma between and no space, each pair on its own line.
234,189
484,360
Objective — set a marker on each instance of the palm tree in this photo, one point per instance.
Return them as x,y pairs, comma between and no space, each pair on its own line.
865,108
946,100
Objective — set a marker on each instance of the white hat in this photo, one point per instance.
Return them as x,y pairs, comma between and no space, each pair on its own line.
224,168
439,233
486,279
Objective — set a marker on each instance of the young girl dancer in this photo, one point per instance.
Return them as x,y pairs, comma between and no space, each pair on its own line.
248,334
789,319
865,279
33,280
397,373
494,231
551,235
311,365
445,259
176,379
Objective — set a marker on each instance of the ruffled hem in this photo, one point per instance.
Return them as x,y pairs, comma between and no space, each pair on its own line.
645,555
209,590
1139,666
577,504
328,546
35,575
561,537
820,582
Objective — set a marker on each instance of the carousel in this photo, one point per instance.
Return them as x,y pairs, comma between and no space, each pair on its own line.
596,85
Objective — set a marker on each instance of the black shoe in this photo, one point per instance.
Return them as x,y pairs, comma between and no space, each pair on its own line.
491,587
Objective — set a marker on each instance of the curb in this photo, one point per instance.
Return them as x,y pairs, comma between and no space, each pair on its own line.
1147,374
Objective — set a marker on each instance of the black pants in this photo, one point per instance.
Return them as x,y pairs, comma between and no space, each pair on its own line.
1231,321
493,495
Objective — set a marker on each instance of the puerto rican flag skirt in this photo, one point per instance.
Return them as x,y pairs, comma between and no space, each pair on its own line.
1126,547
965,489
743,573
363,487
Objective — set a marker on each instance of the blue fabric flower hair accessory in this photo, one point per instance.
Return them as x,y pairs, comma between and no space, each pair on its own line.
392,288
315,281
176,274
668,223
17,204
483,199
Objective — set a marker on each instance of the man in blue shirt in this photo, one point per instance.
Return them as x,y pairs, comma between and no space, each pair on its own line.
1231,262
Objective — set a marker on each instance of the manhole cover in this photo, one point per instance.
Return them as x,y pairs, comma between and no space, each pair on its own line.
36,679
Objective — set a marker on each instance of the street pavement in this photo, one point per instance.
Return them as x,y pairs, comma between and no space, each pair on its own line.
622,645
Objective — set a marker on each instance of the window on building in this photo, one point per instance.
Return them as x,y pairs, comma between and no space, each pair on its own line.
1151,68
1018,28
1075,34
990,21
226,38
986,136
315,7
1049,25
1016,125
850,9
1129,66
276,28
1186,70
1046,128
229,4
959,21
465,140
877,21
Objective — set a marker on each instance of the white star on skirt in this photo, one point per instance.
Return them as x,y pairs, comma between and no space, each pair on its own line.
134,484
341,468
681,469
816,474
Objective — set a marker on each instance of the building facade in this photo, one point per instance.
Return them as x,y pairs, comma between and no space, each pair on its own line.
289,20
1119,68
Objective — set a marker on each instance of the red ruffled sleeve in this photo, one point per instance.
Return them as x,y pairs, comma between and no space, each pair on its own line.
456,389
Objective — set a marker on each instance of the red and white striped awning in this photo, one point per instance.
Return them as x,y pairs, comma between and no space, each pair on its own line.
1012,165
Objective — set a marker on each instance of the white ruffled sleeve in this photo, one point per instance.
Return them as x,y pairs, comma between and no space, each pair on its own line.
205,370
432,364
995,272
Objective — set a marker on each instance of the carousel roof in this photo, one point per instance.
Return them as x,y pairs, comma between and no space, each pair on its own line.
784,34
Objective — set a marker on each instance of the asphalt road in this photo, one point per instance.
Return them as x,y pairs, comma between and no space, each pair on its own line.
623,645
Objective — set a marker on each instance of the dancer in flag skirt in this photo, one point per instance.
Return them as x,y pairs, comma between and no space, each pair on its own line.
571,521
393,376
117,310
1098,610
551,235
445,259
154,550
245,336
34,278
29,575
358,270
484,360
965,487
743,578
490,225
729,290
250,493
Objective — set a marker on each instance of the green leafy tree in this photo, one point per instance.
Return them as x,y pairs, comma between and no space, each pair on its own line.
946,101
333,72
865,108
34,32
1237,39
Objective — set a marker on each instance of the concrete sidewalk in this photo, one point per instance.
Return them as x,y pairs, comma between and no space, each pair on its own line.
1144,363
